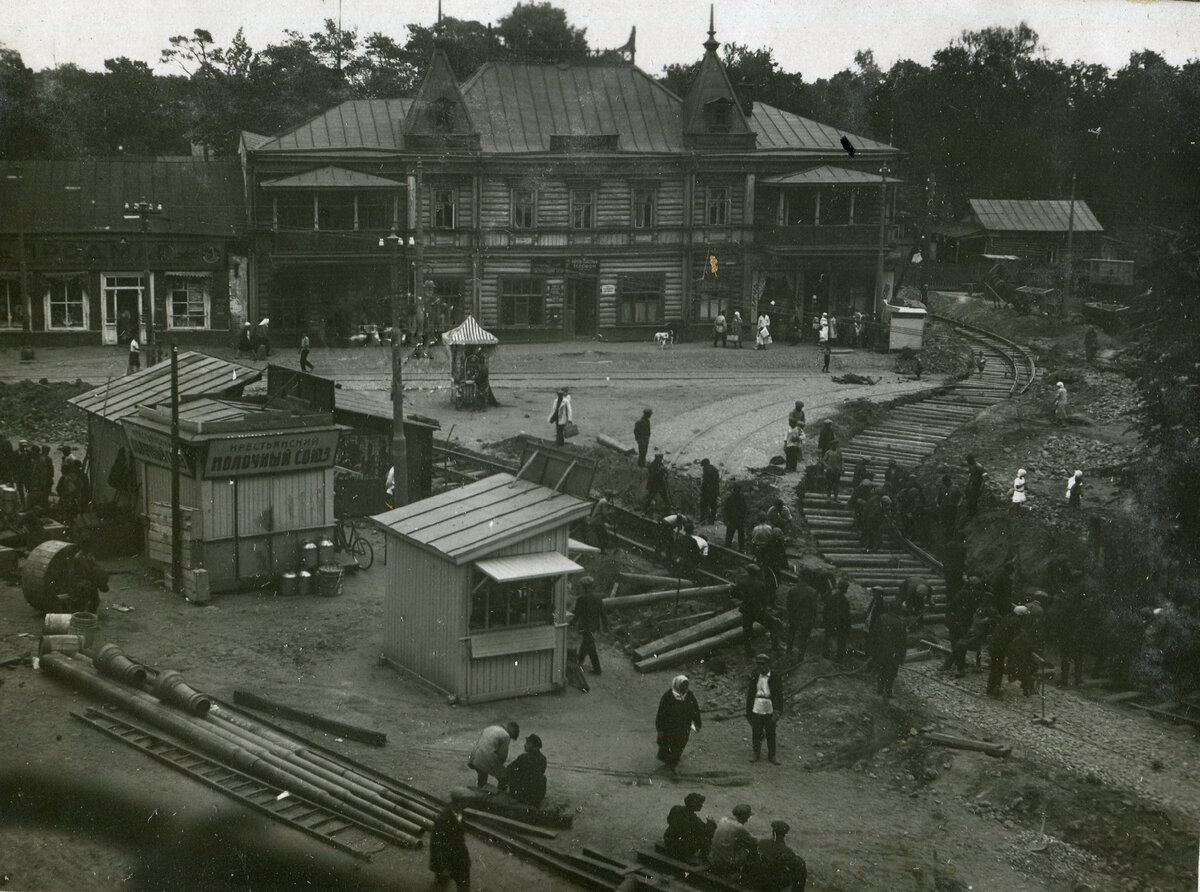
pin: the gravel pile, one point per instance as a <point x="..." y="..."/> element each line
<point x="1061" y="454"/>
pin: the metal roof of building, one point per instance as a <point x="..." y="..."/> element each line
<point x="373" y="404"/>
<point x="332" y="177"/>
<point x="1052" y="215"/>
<point x="781" y="130"/>
<point x="517" y="107"/>
<point x="200" y="197"/>
<point x="482" y="517"/>
<point x="199" y="374"/>
<point x="827" y="174"/>
<point x="355" y="124"/>
<point x="528" y="566"/>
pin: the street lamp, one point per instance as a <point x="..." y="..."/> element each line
<point x="399" y="444"/>
<point x="143" y="211"/>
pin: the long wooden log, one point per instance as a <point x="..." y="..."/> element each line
<point x="511" y="823"/>
<point x="649" y="579"/>
<point x="655" y="597"/>
<point x="688" y="651"/>
<point x="331" y="726"/>
<point x="614" y="444"/>
<point x="966" y="743"/>
<point x="706" y="629"/>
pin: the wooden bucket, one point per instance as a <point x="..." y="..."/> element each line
<point x="329" y="581"/>
<point x="46" y="573"/>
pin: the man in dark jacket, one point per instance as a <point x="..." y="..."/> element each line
<point x="764" y="700"/>
<point x="776" y="867"/>
<point x="87" y="580"/>
<point x="448" y="856"/>
<point x="735" y="512"/>
<point x="975" y="475"/>
<point x="835" y="614"/>
<point x="755" y="598"/>
<point x="23" y="471"/>
<point x="949" y="498"/>
<point x="687" y="837"/>
<point x="656" y="483"/>
<point x="710" y="491"/>
<point x="802" y="602"/>
<point x="826" y="438"/>
<point x="1007" y="631"/>
<point x="524" y="778"/>
<point x="589" y="619"/>
<point x="641" y="433"/>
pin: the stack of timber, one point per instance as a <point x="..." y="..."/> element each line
<point x="158" y="536"/>
<point x="691" y="643"/>
<point x="656" y="597"/>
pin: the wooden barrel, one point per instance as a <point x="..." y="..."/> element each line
<point x="46" y="573"/>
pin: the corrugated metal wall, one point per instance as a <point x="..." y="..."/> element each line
<point x="425" y="615"/>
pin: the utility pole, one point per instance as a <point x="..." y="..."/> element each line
<point x="1070" y="249"/>
<point x="176" y="510"/>
<point x="399" y="444"/>
<point x="419" y="257"/>
<point x="143" y="211"/>
<point x="882" y="241"/>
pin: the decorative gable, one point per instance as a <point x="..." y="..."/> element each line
<point x="438" y="118"/>
<point x="713" y="119"/>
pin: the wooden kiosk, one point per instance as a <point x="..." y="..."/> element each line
<point x="906" y="326"/>
<point x="255" y="484"/>
<point x="476" y="589"/>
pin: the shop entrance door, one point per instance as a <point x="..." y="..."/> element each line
<point x="581" y="297"/>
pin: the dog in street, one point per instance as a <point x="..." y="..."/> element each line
<point x="664" y="339"/>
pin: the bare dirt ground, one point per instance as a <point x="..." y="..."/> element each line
<point x="870" y="806"/>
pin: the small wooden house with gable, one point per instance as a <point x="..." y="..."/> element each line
<point x="476" y="589"/>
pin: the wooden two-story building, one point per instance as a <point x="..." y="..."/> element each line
<point x="560" y="200"/>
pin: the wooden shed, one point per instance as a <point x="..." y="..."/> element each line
<point x="476" y="589"/>
<point x="106" y="405"/>
<point x="906" y="326"/>
<point x="255" y="485"/>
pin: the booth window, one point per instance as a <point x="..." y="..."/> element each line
<point x="506" y="605"/>
<point x="718" y="205"/>
<point x="522" y="300"/>
<point x="12" y="311"/>
<point x="640" y="298"/>
<point x="188" y="300"/>
<point x="66" y="305"/>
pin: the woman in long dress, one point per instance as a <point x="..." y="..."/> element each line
<point x="763" y="337"/>
<point x="1018" y="495"/>
<point x="678" y="716"/>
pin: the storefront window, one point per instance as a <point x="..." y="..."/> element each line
<point x="66" y="305"/>
<point x="188" y="300"/>
<point x="525" y="602"/>
<point x="12" y="311"/>
<point x="522" y="300"/>
<point x="640" y="299"/>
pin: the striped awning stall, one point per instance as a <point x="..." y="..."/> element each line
<point x="527" y="566"/>
<point x="469" y="334"/>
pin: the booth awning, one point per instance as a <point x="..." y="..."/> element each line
<point x="469" y="334"/>
<point x="527" y="566"/>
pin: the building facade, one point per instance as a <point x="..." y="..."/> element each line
<point x="563" y="200"/>
<point x="90" y="251"/>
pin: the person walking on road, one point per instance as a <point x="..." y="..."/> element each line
<point x="710" y="491"/>
<point x="764" y="693"/>
<point x="560" y="415"/>
<point x="678" y="716"/>
<point x="719" y="329"/>
<point x="589" y="619"/>
<point x="448" y="856"/>
<point x="135" y="357"/>
<point x="656" y="483"/>
<point x="641" y="433"/>
<point x="305" y="365"/>
<point x="793" y="446"/>
<point x="826" y="354"/>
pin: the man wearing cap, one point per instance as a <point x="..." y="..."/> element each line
<point x="776" y="866"/>
<point x="687" y="837"/>
<point x="732" y="845"/>
<point x="561" y="415"/>
<point x="656" y="483"/>
<point x="641" y="433"/>
<point x="589" y="619"/>
<point x="525" y="777"/>
<point x="763" y="702"/>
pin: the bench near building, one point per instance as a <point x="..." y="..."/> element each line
<point x="476" y="589"/>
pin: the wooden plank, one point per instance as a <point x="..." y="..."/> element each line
<point x="705" y="629"/>
<point x="1123" y="696"/>
<point x="689" y="651"/>
<point x="966" y="743"/>
<point x="650" y="579"/>
<point x="512" y="824"/>
<point x="656" y="597"/>
<point x="512" y="641"/>
<point x="693" y="873"/>
<point x="331" y="726"/>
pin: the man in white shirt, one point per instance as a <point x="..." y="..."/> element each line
<point x="135" y="357"/>
<point x="763" y="703"/>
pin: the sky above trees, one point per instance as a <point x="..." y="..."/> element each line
<point x="816" y="38"/>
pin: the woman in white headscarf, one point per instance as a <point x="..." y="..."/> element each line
<point x="678" y="716"/>
<point x="1075" y="489"/>
<point x="1018" y="495"/>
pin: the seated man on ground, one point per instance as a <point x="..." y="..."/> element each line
<point x="687" y="837"/>
<point x="525" y="777"/>
<point x="732" y="847"/>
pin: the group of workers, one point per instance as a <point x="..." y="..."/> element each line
<point x="28" y="473"/>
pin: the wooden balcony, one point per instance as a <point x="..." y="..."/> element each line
<point x="857" y="237"/>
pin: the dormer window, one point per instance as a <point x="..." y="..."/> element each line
<point x="442" y="113"/>
<point x="718" y="114"/>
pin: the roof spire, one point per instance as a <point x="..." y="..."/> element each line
<point x="439" y="20"/>
<point x="712" y="43"/>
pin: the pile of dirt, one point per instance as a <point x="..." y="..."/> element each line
<point x="38" y="411"/>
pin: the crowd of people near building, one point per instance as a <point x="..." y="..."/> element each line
<point x="32" y="490"/>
